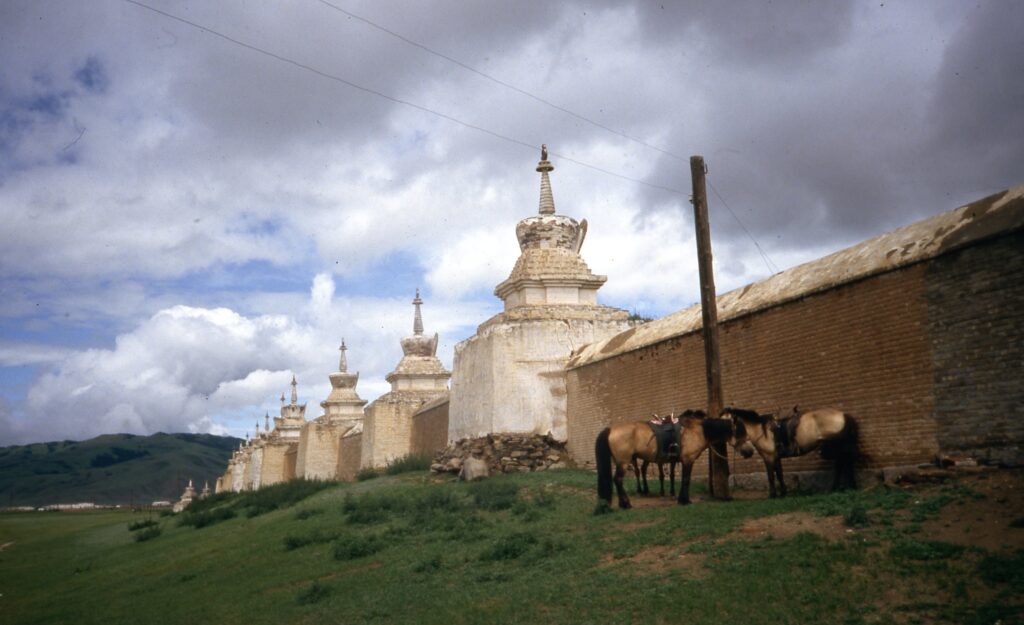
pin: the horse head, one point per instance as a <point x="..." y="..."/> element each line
<point x="740" y="439"/>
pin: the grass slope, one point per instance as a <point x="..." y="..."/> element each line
<point x="114" y="468"/>
<point x="514" y="549"/>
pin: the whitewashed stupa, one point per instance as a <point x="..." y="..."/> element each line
<point x="320" y="440"/>
<point x="510" y="376"/>
<point x="418" y="378"/>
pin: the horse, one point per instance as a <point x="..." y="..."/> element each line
<point x="829" y="430"/>
<point x="670" y="456"/>
<point x="624" y="442"/>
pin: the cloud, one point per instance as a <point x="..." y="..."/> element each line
<point x="213" y="369"/>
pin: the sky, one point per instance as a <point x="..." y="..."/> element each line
<point x="201" y="199"/>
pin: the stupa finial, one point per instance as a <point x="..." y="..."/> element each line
<point x="295" y="392"/>
<point x="417" y="322"/>
<point x="547" y="200"/>
<point x="266" y="422"/>
<point x="342" y="363"/>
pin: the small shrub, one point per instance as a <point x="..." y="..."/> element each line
<point x="312" y="594"/>
<point x="213" y="501"/>
<point x="139" y="525"/>
<point x="147" y="534"/>
<point x="366" y="474"/>
<point x="409" y="464"/>
<point x="924" y="550"/>
<point x="494" y="494"/>
<point x="509" y="547"/>
<point x="354" y="547"/>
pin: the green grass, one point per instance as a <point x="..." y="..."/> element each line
<point x="415" y="548"/>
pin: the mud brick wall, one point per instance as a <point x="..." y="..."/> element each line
<point x="928" y="358"/>
<point x="975" y="302"/>
<point x="430" y="428"/>
<point x="349" y="457"/>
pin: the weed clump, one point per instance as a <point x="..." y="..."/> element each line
<point x="509" y="547"/>
<point x="313" y="593"/>
<point x="140" y="525"/>
<point x="857" y="517"/>
<point x="296" y="541"/>
<point x="354" y="547"/>
<point x="494" y="494"/>
<point x="409" y="464"/>
<point x="367" y="474"/>
<point x="924" y="550"/>
<point x="1003" y="569"/>
<point x="200" y="520"/>
<point x="148" y="534"/>
<point x="306" y="513"/>
<point x="284" y="495"/>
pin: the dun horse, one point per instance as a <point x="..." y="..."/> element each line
<point x="623" y="443"/>
<point x="828" y="429"/>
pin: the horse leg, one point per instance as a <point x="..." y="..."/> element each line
<point x="636" y="474"/>
<point x="672" y="477"/>
<point x="684" y="483"/>
<point x="620" y="489"/>
<point x="643" y="472"/>
<point x="661" y="478"/>
<point x="770" y="470"/>
<point x="780" y="479"/>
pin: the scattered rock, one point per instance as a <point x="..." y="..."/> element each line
<point x="474" y="469"/>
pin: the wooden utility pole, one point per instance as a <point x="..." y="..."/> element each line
<point x="718" y="466"/>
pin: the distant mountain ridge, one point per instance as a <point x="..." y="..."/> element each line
<point x="111" y="469"/>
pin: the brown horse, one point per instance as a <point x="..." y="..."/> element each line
<point x="827" y="429"/>
<point x="620" y="444"/>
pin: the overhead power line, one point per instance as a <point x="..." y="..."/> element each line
<point x="533" y="96"/>
<point x="450" y="118"/>
<point x="390" y="98"/>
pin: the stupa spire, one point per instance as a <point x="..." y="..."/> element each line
<point x="342" y="363"/>
<point x="295" y="392"/>
<point x="417" y="322"/>
<point x="266" y="422"/>
<point x="547" y="200"/>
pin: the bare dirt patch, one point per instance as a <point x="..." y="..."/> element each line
<point x="790" y="524"/>
<point x="661" y="558"/>
<point x="983" y="517"/>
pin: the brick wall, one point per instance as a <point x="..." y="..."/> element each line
<point x="430" y="428"/>
<point x="349" y="456"/>
<point x="975" y="302"/>
<point x="900" y="351"/>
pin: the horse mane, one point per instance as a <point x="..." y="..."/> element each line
<point x="748" y="415"/>
<point x="717" y="429"/>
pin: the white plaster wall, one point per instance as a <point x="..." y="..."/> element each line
<point x="512" y="377"/>
<point x="238" y="476"/>
<point x="252" y="477"/>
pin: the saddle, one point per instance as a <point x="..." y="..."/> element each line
<point x="667" y="437"/>
<point x="784" y="431"/>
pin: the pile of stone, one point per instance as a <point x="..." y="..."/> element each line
<point x="504" y="453"/>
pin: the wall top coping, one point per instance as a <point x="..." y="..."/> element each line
<point x="997" y="214"/>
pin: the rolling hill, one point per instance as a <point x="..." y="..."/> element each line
<point x="111" y="469"/>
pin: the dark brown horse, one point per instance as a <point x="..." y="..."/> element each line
<point x="829" y="430"/>
<point x="620" y="444"/>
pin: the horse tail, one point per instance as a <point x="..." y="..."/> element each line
<point x="603" y="457"/>
<point x="851" y="440"/>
